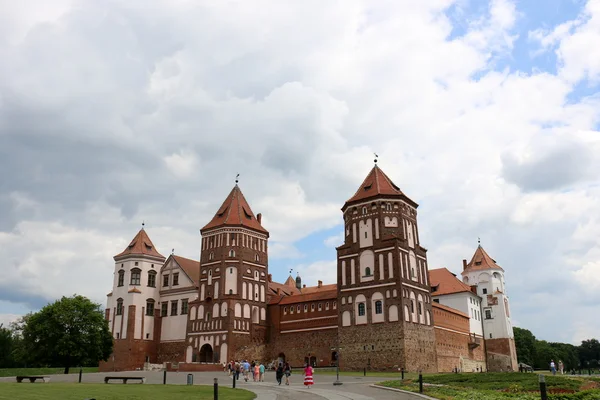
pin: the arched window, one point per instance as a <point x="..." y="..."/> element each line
<point x="151" y="278"/>
<point x="207" y="316"/>
<point x="291" y="309"/>
<point x="412" y="306"/>
<point x="378" y="307"/>
<point x="211" y="256"/>
<point x="119" y="306"/>
<point x="230" y="291"/>
<point x="361" y="309"/>
<point x="312" y="307"/>
<point x="388" y="207"/>
<point x="136" y="275"/>
<point x="298" y="308"/>
<point x="364" y="210"/>
<point x="150" y="307"/>
<point x="284" y="310"/>
<point x="306" y="308"/>
<point x="121" y="278"/>
<point x="334" y="305"/>
<point x="326" y="306"/>
<point x="367" y="271"/>
<point x="257" y="258"/>
<point x="320" y="307"/>
<point x="231" y="253"/>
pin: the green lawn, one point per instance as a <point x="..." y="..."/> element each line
<point x="42" y="371"/>
<point x="133" y="391"/>
<point x="499" y="386"/>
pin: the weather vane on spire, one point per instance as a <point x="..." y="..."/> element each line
<point x="376" y="157"/>
<point x="236" y="178"/>
<point x="479" y="241"/>
<point x="172" y="251"/>
<point x="143" y="224"/>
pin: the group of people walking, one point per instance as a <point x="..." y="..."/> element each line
<point x="257" y="371"/>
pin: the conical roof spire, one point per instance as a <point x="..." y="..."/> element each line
<point x="140" y="245"/>
<point x="481" y="261"/>
<point x="377" y="183"/>
<point x="235" y="211"/>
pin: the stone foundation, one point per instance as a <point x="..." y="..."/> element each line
<point x="501" y="355"/>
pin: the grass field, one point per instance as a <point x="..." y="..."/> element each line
<point x="500" y="386"/>
<point x="42" y="371"/>
<point x="133" y="391"/>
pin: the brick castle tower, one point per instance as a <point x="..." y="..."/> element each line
<point x="383" y="288"/>
<point x="228" y="319"/>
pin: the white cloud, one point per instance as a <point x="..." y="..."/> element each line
<point x="335" y="240"/>
<point x="6" y="319"/>
<point x="325" y="271"/>
<point x="182" y="164"/>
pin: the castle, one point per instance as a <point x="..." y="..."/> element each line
<point x="386" y="311"/>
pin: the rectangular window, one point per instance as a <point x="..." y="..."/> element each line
<point x="150" y="308"/>
<point x="135" y="276"/>
<point x="163" y="309"/>
<point x="361" y="309"/>
<point x="378" y="307"/>
<point x="120" y="307"/>
<point x="121" y="278"/>
<point x="488" y="314"/>
<point x="165" y="280"/>
<point x="175" y="279"/>
<point x="151" y="279"/>
<point x="484" y="291"/>
<point x="184" y="306"/>
<point x="174" y="307"/>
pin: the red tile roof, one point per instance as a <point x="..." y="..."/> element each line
<point x="312" y="296"/>
<point x="445" y="282"/>
<point x="235" y="211"/>
<point x="375" y="184"/>
<point x="481" y="261"/>
<point x="449" y="309"/>
<point x="140" y="245"/>
<point x="289" y="294"/>
<point x="190" y="267"/>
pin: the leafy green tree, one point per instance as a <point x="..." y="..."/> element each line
<point x="7" y="343"/>
<point x="589" y="353"/>
<point x="69" y="332"/>
<point x="567" y="353"/>
<point x="525" y="343"/>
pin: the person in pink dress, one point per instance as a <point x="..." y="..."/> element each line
<point x="256" y="372"/>
<point x="308" y="376"/>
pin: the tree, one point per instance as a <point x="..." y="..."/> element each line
<point x="69" y="332"/>
<point x="525" y="344"/>
<point x="7" y="343"/>
<point x="589" y="353"/>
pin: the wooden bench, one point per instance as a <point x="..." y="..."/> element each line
<point x="33" y="378"/>
<point x="125" y="378"/>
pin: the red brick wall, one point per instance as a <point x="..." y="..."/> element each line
<point x="298" y="345"/>
<point x="501" y="355"/>
<point x="452" y="343"/>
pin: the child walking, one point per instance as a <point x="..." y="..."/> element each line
<point x="308" y="376"/>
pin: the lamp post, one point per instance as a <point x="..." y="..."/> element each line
<point x="337" y="362"/>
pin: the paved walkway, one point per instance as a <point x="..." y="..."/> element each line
<point x="353" y="388"/>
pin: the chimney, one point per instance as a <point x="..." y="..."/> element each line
<point x="278" y="291"/>
<point x="259" y="217"/>
<point x="464" y="264"/>
<point x="320" y="283"/>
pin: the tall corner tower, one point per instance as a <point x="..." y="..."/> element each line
<point x="228" y="320"/>
<point x="130" y="308"/>
<point x="483" y="272"/>
<point x="383" y="289"/>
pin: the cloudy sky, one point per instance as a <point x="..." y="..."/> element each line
<point x="486" y="114"/>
